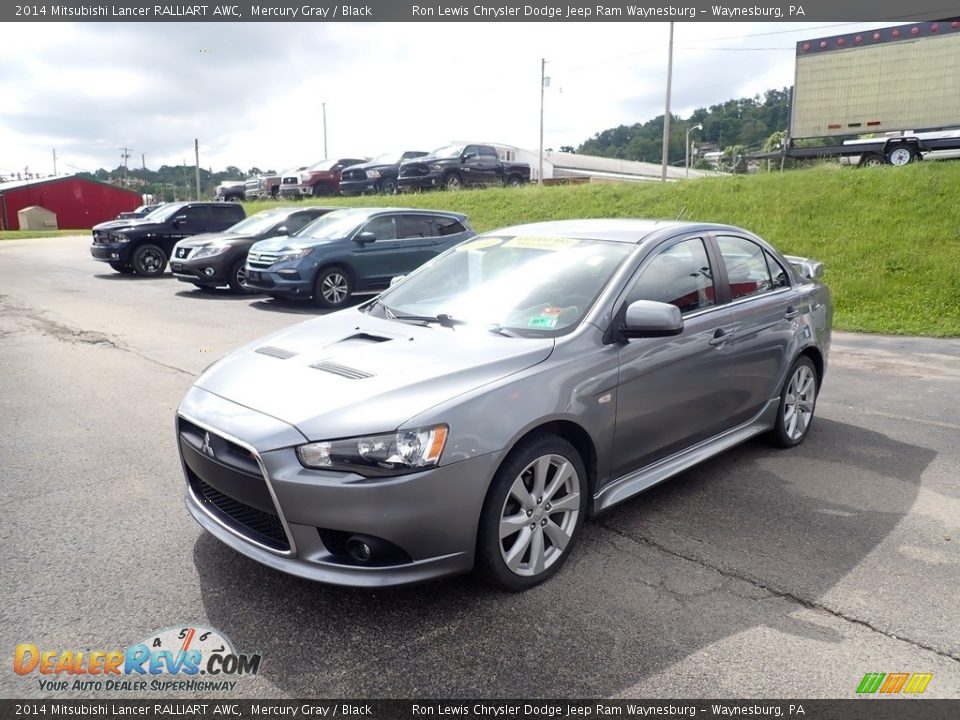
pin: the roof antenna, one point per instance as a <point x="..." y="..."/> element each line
<point x="682" y="211"/>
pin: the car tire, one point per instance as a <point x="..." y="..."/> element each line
<point x="515" y="560"/>
<point x="122" y="268"/>
<point x="513" y="181"/>
<point x="321" y="190"/>
<point x="149" y="261"/>
<point x="238" y="276"/>
<point x="332" y="288"/>
<point x="798" y="402"/>
<point x="901" y="155"/>
<point x="453" y="181"/>
<point x="388" y="187"/>
<point x="872" y="160"/>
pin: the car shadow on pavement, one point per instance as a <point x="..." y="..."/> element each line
<point x="298" y="307"/>
<point x="214" y="294"/>
<point x="741" y="542"/>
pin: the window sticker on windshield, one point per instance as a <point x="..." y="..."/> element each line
<point x="541" y="243"/>
<point x="479" y="244"/>
<point x="542" y="322"/>
<point x="550" y="311"/>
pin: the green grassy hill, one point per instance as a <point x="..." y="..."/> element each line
<point x="889" y="237"/>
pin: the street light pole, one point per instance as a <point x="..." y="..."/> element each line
<point x="324" y="131"/>
<point x="686" y="152"/>
<point x="543" y="84"/>
<point x="666" y="112"/>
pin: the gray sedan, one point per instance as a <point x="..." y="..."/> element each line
<point x="474" y="414"/>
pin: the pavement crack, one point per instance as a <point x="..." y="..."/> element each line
<point x="781" y="592"/>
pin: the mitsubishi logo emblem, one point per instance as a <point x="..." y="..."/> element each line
<point x="205" y="448"/>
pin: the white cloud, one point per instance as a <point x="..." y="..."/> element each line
<point x="254" y="93"/>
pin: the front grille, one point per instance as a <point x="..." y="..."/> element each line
<point x="291" y="181"/>
<point x="353" y="175"/>
<point x="414" y="170"/>
<point x="263" y="527"/>
<point x="261" y="260"/>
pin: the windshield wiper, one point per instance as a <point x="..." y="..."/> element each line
<point x="500" y="330"/>
<point x="441" y="319"/>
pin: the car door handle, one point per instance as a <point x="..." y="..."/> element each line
<point x="791" y="313"/>
<point x="720" y="336"/>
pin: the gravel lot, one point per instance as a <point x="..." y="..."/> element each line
<point x="761" y="574"/>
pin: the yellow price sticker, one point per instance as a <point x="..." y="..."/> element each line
<point x="541" y="243"/>
<point x="479" y="244"/>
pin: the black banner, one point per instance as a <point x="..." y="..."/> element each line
<point x="470" y="11"/>
<point x="854" y="709"/>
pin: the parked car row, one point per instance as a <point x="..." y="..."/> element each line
<point x="323" y="254"/>
<point x="450" y="167"/>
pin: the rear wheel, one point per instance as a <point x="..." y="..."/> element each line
<point x="872" y="160"/>
<point x="901" y="155"/>
<point x="798" y="400"/>
<point x="332" y="287"/>
<point x="149" y="261"/>
<point x="533" y="514"/>
<point x="122" y="268"/>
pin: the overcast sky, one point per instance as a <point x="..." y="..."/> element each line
<point x="253" y="92"/>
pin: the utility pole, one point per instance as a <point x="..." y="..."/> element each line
<point x="125" y="156"/>
<point x="143" y="160"/>
<point x="324" y="131"/>
<point x="196" y="152"/>
<point x="543" y="84"/>
<point x="666" y="112"/>
<point x="54" y="162"/>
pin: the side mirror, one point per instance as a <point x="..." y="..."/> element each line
<point x="395" y="279"/>
<point x="646" y="318"/>
<point x="179" y="220"/>
<point x="365" y="237"/>
<point x="282" y="230"/>
<point x="467" y="156"/>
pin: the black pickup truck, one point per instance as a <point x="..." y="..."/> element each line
<point x="456" y="166"/>
<point x="144" y="246"/>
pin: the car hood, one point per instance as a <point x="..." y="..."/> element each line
<point x="288" y="242"/>
<point x="372" y="166"/>
<point x="210" y="238"/>
<point x="374" y="374"/>
<point x="117" y="224"/>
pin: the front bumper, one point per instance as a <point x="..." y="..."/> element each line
<point x="114" y="252"/>
<point x="288" y="281"/>
<point x="357" y="187"/>
<point x="195" y="271"/>
<point x="419" y="182"/>
<point x="431" y="516"/>
<point x="289" y="191"/>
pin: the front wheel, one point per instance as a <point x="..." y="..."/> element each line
<point x="513" y="181"/>
<point x="237" y="279"/>
<point x="872" y="160"/>
<point x="532" y="515"/>
<point x="798" y="400"/>
<point x="453" y="182"/>
<point x="388" y="187"/>
<point x="149" y="261"/>
<point x="332" y="288"/>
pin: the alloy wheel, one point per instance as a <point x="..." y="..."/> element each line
<point x="799" y="402"/>
<point x="334" y="288"/>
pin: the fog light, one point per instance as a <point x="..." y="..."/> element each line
<point x="359" y="550"/>
<point x="208" y="272"/>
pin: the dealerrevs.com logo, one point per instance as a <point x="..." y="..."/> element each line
<point x="175" y="659"/>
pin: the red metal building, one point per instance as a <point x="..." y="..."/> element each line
<point x="78" y="202"/>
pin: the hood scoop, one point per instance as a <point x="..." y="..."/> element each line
<point x="341" y="370"/>
<point x="276" y="352"/>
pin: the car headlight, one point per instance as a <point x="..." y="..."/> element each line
<point x="378" y="455"/>
<point x="121" y="239"/>
<point x="208" y="251"/>
<point x="373" y="174"/>
<point x="293" y="254"/>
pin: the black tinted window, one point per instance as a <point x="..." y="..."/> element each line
<point x="471" y="150"/>
<point x="383" y="227"/>
<point x="778" y="276"/>
<point x="746" y="266"/>
<point x="488" y="153"/>
<point x="448" y="226"/>
<point x="414" y="226"/>
<point x="679" y="275"/>
<point x="226" y="214"/>
<point x="297" y="221"/>
<point x="193" y="215"/>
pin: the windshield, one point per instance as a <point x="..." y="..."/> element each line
<point x="529" y="285"/>
<point x="336" y="224"/>
<point x="390" y="158"/>
<point x="256" y="224"/>
<point x="448" y="151"/>
<point x="322" y="165"/>
<point x="165" y="212"/>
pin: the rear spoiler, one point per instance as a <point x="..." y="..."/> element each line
<point x="807" y="268"/>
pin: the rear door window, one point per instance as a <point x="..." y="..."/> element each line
<point x="415" y="226"/>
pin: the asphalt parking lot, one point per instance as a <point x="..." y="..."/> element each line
<point x="762" y="573"/>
